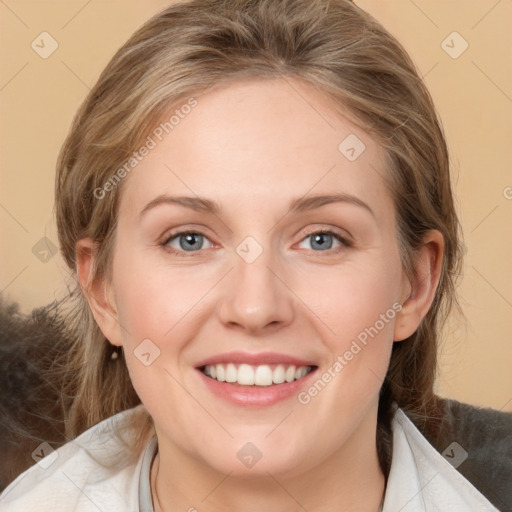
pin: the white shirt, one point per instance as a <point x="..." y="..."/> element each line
<point x="69" y="479"/>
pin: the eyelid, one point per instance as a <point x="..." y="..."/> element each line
<point x="347" y="237"/>
<point x="346" y="241"/>
<point x="172" y="233"/>
<point x="175" y="234"/>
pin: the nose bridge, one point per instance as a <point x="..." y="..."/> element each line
<point x="255" y="295"/>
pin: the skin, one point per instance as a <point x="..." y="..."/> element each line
<point x="253" y="146"/>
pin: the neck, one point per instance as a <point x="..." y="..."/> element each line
<point x="350" y="479"/>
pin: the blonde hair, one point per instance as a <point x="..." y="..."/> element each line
<point x="193" y="46"/>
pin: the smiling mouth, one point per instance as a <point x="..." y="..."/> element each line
<point x="256" y="375"/>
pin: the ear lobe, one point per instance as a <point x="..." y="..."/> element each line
<point x="428" y="266"/>
<point x="97" y="291"/>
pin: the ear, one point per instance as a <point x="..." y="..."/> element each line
<point x="427" y="272"/>
<point x="97" y="291"/>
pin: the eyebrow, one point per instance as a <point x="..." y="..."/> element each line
<point x="301" y="204"/>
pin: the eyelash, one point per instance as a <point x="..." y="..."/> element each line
<point x="345" y="243"/>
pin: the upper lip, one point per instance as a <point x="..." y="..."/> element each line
<point x="254" y="359"/>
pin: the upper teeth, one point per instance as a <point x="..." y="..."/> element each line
<point x="262" y="375"/>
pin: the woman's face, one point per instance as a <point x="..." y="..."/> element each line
<point x="273" y="282"/>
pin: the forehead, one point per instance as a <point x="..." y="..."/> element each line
<point x="254" y="143"/>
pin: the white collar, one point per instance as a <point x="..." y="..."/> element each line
<point x="422" y="480"/>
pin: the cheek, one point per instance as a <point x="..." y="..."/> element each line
<point x="158" y="310"/>
<point x="358" y="308"/>
<point x="354" y="298"/>
<point x="152" y="300"/>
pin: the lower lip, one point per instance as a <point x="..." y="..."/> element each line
<point x="256" y="395"/>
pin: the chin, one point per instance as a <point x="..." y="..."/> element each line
<point x="258" y="457"/>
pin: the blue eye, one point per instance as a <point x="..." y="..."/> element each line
<point x="190" y="243"/>
<point x="324" y="240"/>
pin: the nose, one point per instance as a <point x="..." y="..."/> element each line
<point x="255" y="297"/>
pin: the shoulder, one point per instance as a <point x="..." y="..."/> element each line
<point x="84" y="474"/>
<point x="422" y="479"/>
<point x="477" y="443"/>
<point x="485" y="435"/>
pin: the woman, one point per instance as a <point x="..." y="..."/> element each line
<point x="272" y="366"/>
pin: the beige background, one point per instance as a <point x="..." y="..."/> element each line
<point x="473" y="94"/>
